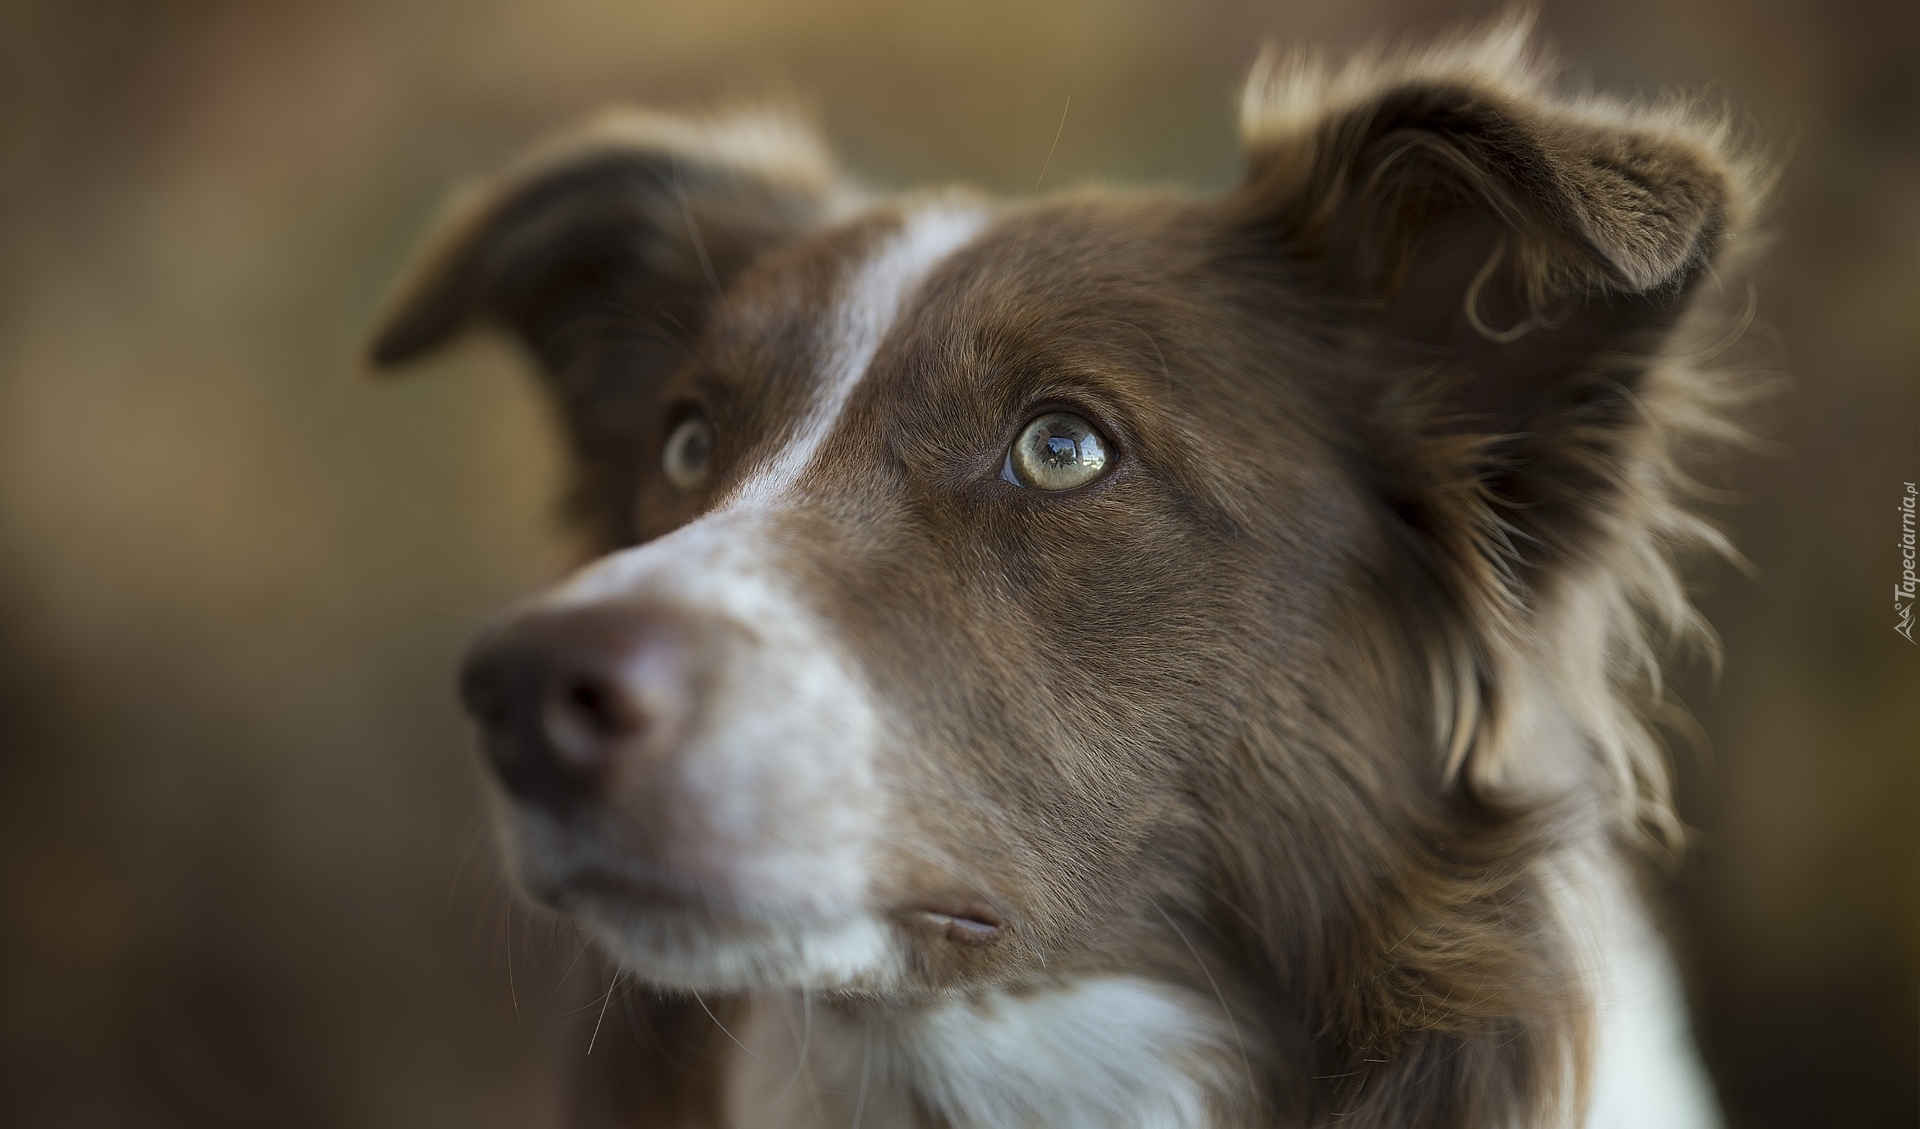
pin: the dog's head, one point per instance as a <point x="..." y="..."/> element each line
<point x="990" y="587"/>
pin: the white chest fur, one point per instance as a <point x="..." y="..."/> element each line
<point x="1097" y="1053"/>
<point x="1121" y="1052"/>
<point x="1645" y="1073"/>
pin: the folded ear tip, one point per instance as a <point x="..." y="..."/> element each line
<point x="385" y="350"/>
<point x="1656" y="215"/>
<point x="404" y="338"/>
<point x="382" y="357"/>
<point x="1633" y="197"/>
<point x="431" y="302"/>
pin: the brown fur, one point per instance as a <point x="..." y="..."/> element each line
<point x="1395" y="424"/>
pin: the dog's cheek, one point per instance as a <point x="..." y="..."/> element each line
<point x="1035" y="682"/>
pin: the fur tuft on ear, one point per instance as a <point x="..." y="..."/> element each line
<point x="602" y="254"/>
<point x="1628" y="197"/>
<point x="1524" y="270"/>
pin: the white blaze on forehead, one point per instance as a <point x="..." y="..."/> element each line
<point x="874" y="297"/>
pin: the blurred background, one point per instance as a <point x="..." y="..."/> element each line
<point x="245" y="876"/>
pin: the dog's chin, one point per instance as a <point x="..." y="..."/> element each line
<point x="683" y="943"/>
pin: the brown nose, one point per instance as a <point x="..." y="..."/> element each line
<point x="563" y="696"/>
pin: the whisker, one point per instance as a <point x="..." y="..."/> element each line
<point x="866" y="1059"/>
<point x="1246" y="1063"/>
<point x="513" y="991"/>
<point x="806" y="1049"/>
<point x="603" y="1011"/>
<point x="1056" y="144"/>
<point x="806" y="1039"/>
<point x="693" y="229"/>
<point x="577" y="954"/>
<point x="723" y="1030"/>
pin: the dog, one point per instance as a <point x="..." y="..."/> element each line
<point x="1122" y="660"/>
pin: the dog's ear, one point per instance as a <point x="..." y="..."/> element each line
<point x="603" y="254"/>
<point x="1514" y="267"/>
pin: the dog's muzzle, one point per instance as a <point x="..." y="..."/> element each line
<point x="690" y="764"/>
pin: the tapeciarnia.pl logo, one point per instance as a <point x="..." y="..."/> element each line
<point x="1903" y="592"/>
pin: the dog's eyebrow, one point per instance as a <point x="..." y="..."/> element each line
<point x="878" y="291"/>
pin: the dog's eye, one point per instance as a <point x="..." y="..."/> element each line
<point x="689" y="453"/>
<point x="1057" y="451"/>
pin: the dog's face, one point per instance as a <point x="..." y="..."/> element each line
<point x="950" y="593"/>
<point x="990" y="587"/>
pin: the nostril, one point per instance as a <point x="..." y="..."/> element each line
<point x="561" y="697"/>
<point x="584" y="715"/>
<point x="599" y="707"/>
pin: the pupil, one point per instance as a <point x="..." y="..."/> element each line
<point x="1061" y="452"/>
<point x="695" y="448"/>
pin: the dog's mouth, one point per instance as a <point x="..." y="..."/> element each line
<point x="584" y="885"/>
<point x="646" y="897"/>
<point x="966" y="923"/>
<point x="738" y="928"/>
